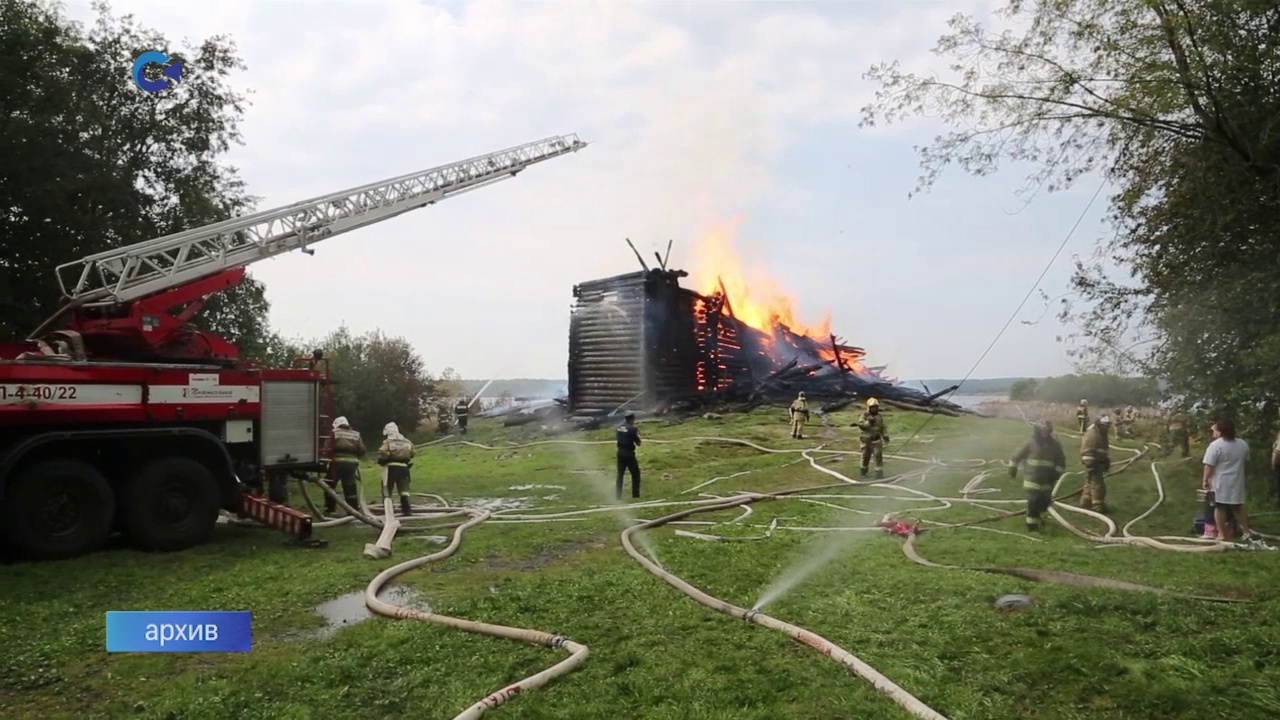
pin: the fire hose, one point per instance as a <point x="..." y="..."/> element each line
<point x="578" y="652"/>
<point x="813" y="640"/>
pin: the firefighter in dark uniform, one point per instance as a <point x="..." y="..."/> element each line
<point x="461" y="412"/>
<point x="1044" y="460"/>
<point x="628" y="436"/>
<point x="396" y="456"/>
<point x="348" y="448"/>
<point x="874" y="437"/>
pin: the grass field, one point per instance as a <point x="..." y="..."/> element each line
<point x="655" y="653"/>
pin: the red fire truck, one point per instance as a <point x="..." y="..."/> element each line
<point x="119" y="415"/>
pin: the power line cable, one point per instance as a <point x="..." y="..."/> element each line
<point x="1084" y="213"/>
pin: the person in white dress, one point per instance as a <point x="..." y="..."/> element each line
<point x="1224" y="475"/>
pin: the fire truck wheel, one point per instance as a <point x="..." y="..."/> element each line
<point x="171" y="504"/>
<point x="58" y="509"/>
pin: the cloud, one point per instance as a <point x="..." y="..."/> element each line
<point x="689" y="109"/>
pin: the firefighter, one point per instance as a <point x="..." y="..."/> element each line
<point x="1082" y="415"/>
<point x="396" y="457"/>
<point x="348" y="448"/>
<point x="1095" y="455"/>
<point x="874" y="437"/>
<point x="799" y="416"/>
<point x="628" y="440"/>
<point x="461" y="413"/>
<point x="1130" y="417"/>
<point x="1045" y="462"/>
<point x="1176" y="433"/>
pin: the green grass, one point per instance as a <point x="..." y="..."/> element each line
<point x="655" y="653"/>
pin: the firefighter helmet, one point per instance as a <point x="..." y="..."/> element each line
<point x="872" y="402"/>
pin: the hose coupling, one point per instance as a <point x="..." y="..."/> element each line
<point x="750" y="615"/>
<point x="557" y="642"/>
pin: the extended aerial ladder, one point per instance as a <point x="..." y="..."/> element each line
<point x="127" y="317"/>
<point x="136" y="302"/>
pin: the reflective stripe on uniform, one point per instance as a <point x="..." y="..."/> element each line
<point x="397" y="464"/>
<point x="346" y="459"/>
<point x="1033" y="485"/>
<point x="1031" y="462"/>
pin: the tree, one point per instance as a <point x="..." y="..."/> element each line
<point x="450" y="384"/>
<point x="1102" y="391"/>
<point x="1174" y="102"/>
<point x="89" y="162"/>
<point x="1024" y="389"/>
<point x="377" y="379"/>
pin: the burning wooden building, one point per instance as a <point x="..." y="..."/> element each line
<point x="640" y="341"/>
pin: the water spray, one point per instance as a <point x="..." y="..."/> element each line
<point x="819" y="643"/>
<point x="578" y="652"/>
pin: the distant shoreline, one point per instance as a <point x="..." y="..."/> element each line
<point x="547" y="388"/>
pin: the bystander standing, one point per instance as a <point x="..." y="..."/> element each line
<point x="1225" y="461"/>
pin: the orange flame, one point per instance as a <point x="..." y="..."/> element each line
<point x="754" y="296"/>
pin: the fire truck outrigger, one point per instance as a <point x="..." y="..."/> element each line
<point x="131" y="419"/>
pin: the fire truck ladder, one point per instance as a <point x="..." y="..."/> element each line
<point x="183" y="268"/>
<point x="137" y="271"/>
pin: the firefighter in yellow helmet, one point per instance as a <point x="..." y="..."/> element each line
<point x="799" y="415"/>
<point x="396" y="456"/>
<point x="874" y="437"/>
<point x="1082" y="415"/>
<point x="1044" y="461"/>
<point x="1095" y="455"/>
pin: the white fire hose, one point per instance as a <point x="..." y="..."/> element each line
<point x="578" y="653"/>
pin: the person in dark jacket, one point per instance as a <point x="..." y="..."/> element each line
<point x="461" y="413"/>
<point x="628" y="440"/>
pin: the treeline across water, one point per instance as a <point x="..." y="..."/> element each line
<point x="1100" y="390"/>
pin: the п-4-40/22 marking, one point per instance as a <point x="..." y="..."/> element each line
<point x="38" y="393"/>
<point x="108" y="394"/>
<point x="70" y="394"/>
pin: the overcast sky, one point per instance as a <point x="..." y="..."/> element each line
<point x="701" y="117"/>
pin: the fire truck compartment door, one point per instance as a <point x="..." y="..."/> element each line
<point x="237" y="431"/>
<point x="290" y="423"/>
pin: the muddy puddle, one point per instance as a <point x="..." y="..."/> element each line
<point x="349" y="609"/>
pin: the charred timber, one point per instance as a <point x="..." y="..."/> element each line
<point x="642" y="342"/>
